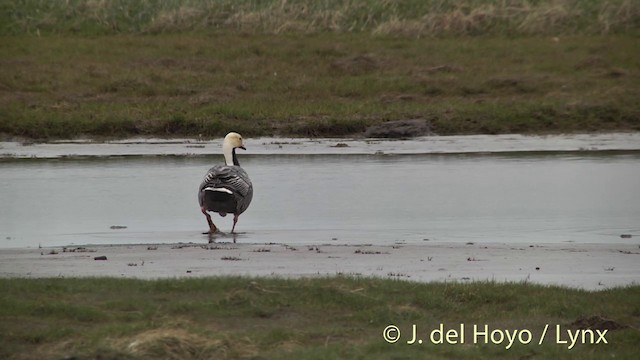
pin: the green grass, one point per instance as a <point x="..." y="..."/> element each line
<point x="314" y="85"/>
<point x="231" y="317"/>
<point x="171" y="68"/>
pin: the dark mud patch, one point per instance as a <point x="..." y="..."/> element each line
<point x="592" y="62"/>
<point x="512" y="84"/>
<point x="444" y="69"/>
<point x="356" y="65"/>
<point x="400" y="129"/>
<point x="597" y="323"/>
<point x="368" y="252"/>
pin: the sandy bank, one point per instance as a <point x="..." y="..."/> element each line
<point x="461" y="144"/>
<point x="588" y="266"/>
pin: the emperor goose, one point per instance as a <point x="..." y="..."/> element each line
<point x="226" y="189"/>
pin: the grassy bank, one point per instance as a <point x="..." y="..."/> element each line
<point x="314" y="85"/>
<point x="306" y="318"/>
<point x="316" y="68"/>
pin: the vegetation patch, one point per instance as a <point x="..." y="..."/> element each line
<point x="171" y="68"/>
<point x="405" y="18"/>
<point x="335" y="317"/>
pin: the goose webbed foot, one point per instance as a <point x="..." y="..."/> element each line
<point x="219" y="234"/>
<point x="212" y="227"/>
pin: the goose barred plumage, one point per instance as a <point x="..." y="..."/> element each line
<point x="226" y="189"/>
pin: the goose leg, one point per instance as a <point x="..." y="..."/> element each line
<point x="235" y="220"/>
<point x="212" y="226"/>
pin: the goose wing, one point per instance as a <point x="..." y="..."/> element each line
<point x="227" y="180"/>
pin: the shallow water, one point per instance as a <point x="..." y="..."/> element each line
<point x="585" y="197"/>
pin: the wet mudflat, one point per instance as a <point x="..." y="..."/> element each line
<point x="343" y="198"/>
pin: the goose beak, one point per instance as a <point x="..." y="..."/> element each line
<point x="242" y="147"/>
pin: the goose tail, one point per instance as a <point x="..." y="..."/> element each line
<point x="220" y="200"/>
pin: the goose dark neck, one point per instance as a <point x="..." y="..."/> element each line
<point x="235" y="157"/>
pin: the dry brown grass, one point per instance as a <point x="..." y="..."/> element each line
<point x="513" y="17"/>
<point x="406" y="18"/>
<point x="178" y="344"/>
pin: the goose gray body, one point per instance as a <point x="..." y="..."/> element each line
<point x="239" y="190"/>
<point x="226" y="189"/>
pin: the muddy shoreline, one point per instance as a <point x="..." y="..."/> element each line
<point x="586" y="266"/>
<point x="462" y="144"/>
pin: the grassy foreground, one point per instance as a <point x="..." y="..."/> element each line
<point x="316" y="68"/>
<point x="231" y="317"/>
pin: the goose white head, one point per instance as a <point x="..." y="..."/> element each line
<point x="231" y="142"/>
